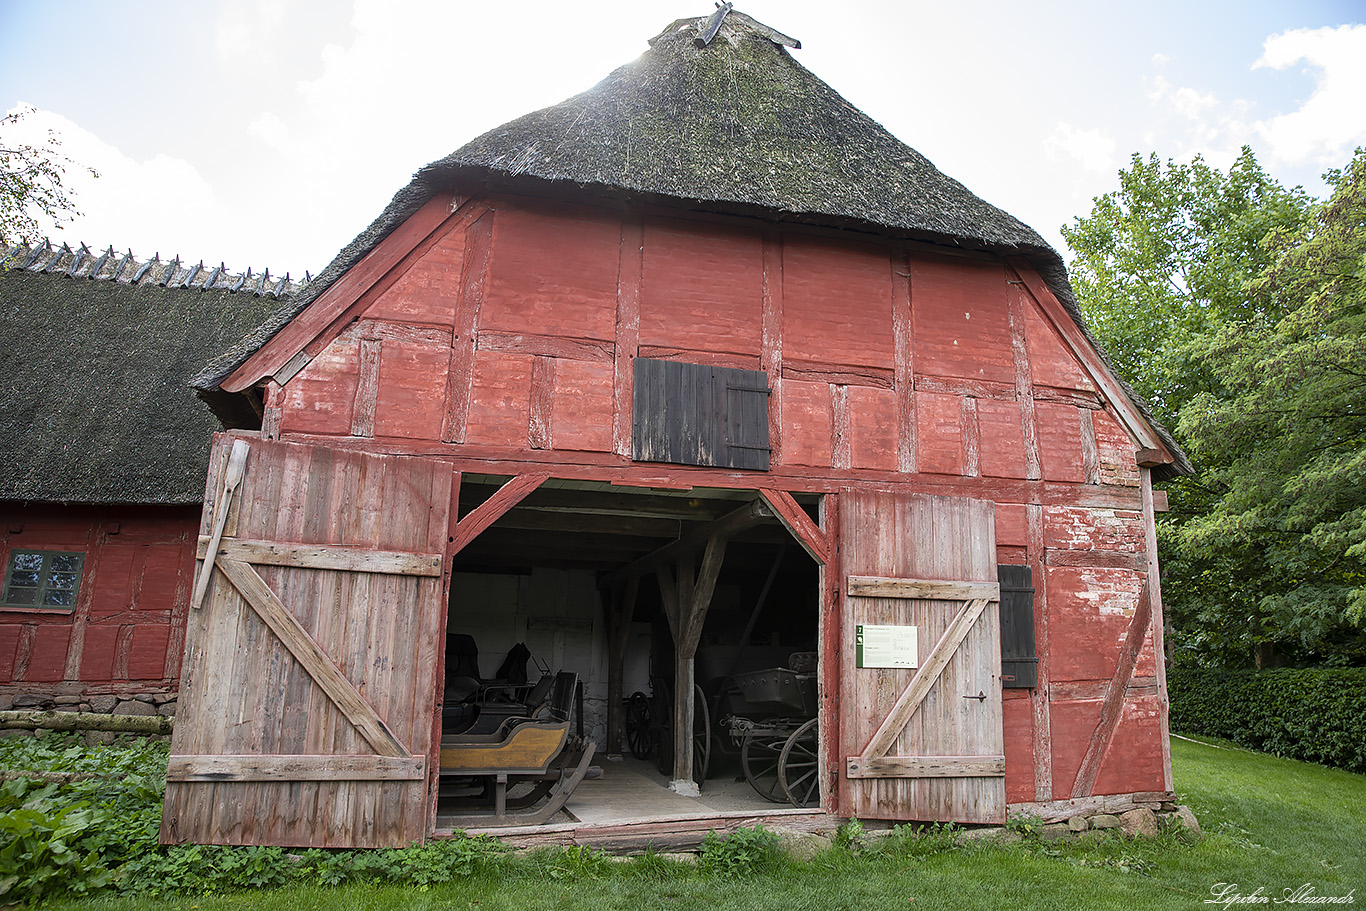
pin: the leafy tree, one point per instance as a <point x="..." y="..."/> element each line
<point x="31" y="183"/>
<point x="1284" y="439"/>
<point x="1182" y="273"/>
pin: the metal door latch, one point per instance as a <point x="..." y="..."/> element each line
<point x="980" y="697"/>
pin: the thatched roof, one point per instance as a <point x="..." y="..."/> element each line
<point x="735" y="126"/>
<point x="96" y="352"/>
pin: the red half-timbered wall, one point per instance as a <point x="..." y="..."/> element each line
<point x="507" y="326"/>
<point x="126" y="631"/>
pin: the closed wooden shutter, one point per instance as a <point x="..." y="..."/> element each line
<point x="922" y="743"/>
<point x="696" y="414"/>
<point x="1019" y="657"/>
<point x="308" y="695"/>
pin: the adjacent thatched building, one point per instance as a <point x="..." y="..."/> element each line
<point x="105" y="449"/>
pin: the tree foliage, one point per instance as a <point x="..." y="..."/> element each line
<point x="1285" y="438"/>
<point x="1233" y="305"/>
<point x="31" y="183"/>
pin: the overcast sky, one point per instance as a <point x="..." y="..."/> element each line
<point x="271" y="132"/>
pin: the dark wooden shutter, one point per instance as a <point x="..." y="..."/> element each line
<point x="1019" y="659"/>
<point x="695" y="414"/>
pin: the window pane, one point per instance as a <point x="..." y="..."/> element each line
<point x="21" y="577"/>
<point x="59" y="597"/>
<point x="20" y="596"/>
<point x="61" y="580"/>
<point x="28" y="561"/>
<point x="67" y="563"/>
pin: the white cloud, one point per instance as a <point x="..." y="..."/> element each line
<point x="1095" y="150"/>
<point x="1187" y="102"/>
<point x="1330" y="123"/>
<point x="154" y="205"/>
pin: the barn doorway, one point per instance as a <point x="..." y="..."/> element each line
<point x="578" y="579"/>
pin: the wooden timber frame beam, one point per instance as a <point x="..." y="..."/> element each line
<point x="732" y="523"/>
<point x="621" y="606"/>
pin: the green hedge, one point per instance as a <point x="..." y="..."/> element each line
<point x="1314" y="714"/>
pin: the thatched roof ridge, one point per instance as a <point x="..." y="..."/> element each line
<point x="737" y="127"/>
<point x="97" y="350"/>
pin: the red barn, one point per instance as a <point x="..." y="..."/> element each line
<point x="698" y="369"/>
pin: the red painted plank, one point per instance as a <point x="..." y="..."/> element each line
<point x="97" y="656"/>
<point x="698" y="275"/>
<point x="473" y="283"/>
<point x="807" y="419"/>
<point x="939" y="433"/>
<point x="10" y="633"/>
<point x="47" y="660"/>
<point x="962" y="326"/>
<point x="410" y="393"/>
<point x="1059" y="430"/>
<point x="873" y="417"/>
<point x="1019" y="745"/>
<point x="147" y="654"/>
<point x="542" y="392"/>
<point x="583" y="406"/>
<point x="837" y="303"/>
<point x="321" y="398"/>
<point x="553" y="271"/>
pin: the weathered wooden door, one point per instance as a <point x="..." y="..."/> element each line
<point x="926" y="741"/>
<point x="308" y="695"/>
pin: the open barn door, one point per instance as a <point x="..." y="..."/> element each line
<point x="920" y="694"/>
<point x="307" y="700"/>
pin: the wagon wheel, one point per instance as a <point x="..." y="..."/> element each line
<point x="639" y="737"/>
<point x="759" y="758"/>
<point x="701" y="733"/>
<point x="701" y="736"/>
<point x="797" y="767"/>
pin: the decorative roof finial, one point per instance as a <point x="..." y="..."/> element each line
<point x="714" y="23"/>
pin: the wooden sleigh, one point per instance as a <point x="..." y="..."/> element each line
<point x="520" y="773"/>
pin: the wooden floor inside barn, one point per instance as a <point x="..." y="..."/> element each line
<point x="630" y="806"/>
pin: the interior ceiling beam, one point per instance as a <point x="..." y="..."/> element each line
<point x="732" y="523"/>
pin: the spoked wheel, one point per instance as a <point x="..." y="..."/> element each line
<point x="663" y="706"/>
<point x="797" y="767"/>
<point x="701" y="736"/>
<point x="759" y="758"/>
<point x="640" y="738"/>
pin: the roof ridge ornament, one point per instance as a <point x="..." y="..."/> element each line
<point x="714" y="23"/>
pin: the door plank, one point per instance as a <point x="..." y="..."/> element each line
<point x="926" y="589"/>
<point x="319" y="666"/>
<point x="925" y="677"/>
<point x="294" y="768"/>
<point x="321" y="556"/>
<point x="926" y="767"/>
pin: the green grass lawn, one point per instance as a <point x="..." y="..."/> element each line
<point x="1269" y="823"/>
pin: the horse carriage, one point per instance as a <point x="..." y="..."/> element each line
<point x="765" y="718"/>
<point x="512" y="751"/>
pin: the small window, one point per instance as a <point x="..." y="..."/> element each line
<point x="1019" y="658"/>
<point x="43" y="578"/>
<point x="695" y="414"/>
